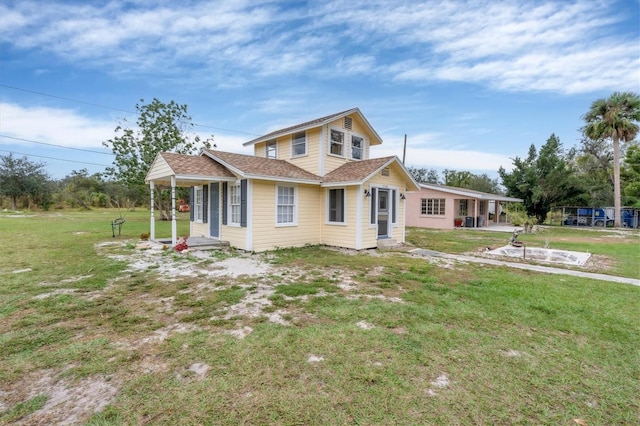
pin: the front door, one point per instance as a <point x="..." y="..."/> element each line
<point x="214" y="210"/>
<point x="383" y="213"/>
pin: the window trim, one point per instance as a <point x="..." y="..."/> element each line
<point x="442" y="206"/>
<point x="294" y="221"/>
<point x="198" y="204"/>
<point x="294" y="144"/>
<point x="362" y="144"/>
<point x="273" y="144"/>
<point x="233" y="188"/>
<point x="328" y="220"/>
<point x="341" y="144"/>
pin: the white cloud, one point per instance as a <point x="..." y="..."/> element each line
<point x="566" y="47"/>
<point x="453" y="159"/>
<point x="54" y="126"/>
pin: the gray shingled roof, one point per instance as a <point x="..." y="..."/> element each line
<point x="220" y="164"/>
<point x="191" y="165"/>
<point x="312" y="124"/>
<point x="356" y="171"/>
<point x="252" y="166"/>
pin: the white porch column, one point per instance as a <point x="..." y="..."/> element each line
<point x="152" y="225"/>
<point x="174" y="224"/>
<point x="475" y="211"/>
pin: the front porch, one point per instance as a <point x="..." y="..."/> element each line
<point x="197" y="243"/>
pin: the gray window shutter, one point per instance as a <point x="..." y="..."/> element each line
<point x="393" y="206"/>
<point x="192" y="194"/>
<point x="224" y="202"/>
<point x="205" y="203"/>
<point x="243" y="203"/>
<point x="373" y="206"/>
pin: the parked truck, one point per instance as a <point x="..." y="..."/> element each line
<point x="599" y="216"/>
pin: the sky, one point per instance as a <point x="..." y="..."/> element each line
<point x="472" y="84"/>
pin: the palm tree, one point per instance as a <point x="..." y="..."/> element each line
<point x="614" y="118"/>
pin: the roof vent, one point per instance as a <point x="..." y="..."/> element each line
<point x="347" y="123"/>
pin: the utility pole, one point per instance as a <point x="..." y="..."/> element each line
<point x="404" y="151"/>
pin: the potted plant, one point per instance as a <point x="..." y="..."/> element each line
<point x="457" y="222"/>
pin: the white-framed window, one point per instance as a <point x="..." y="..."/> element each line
<point x="299" y="144"/>
<point x="198" y="204"/>
<point x="432" y="206"/>
<point x="234" y="204"/>
<point x="357" y="146"/>
<point x="336" y="205"/>
<point x="285" y="205"/>
<point x="271" y="149"/>
<point x="336" y="143"/>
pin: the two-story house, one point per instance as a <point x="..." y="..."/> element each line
<point x="312" y="183"/>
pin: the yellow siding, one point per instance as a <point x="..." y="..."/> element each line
<point x="199" y="229"/>
<point x="266" y="235"/>
<point x="235" y="236"/>
<point x="259" y="149"/>
<point x="337" y="234"/>
<point x="160" y="169"/>
<point x="309" y="162"/>
<point x="396" y="181"/>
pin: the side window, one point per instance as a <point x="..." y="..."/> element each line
<point x="336" y="144"/>
<point x="336" y="205"/>
<point x="286" y="205"/>
<point x="357" y="145"/>
<point x="271" y="149"/>
<point x="234" y="204"/>
<point x="198" y="203"/>
<point x="299" y="144"/>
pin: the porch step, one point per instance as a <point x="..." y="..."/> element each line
<point x="385" y="243"/>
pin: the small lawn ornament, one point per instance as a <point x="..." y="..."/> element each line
<point x="514" y="239"/>
<point x="181" y="245"/>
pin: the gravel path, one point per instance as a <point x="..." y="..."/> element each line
<point x="537" y="268"/>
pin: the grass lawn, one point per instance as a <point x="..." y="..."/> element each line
<point x="93" y="330"/>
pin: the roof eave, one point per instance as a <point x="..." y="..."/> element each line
<point x="295" y="129"/>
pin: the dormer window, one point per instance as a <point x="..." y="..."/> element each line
<point x="271" y="149"/>
<point x="337" y="143"/>
<point x="357" y="144"/>
<point x="299" y="144"/>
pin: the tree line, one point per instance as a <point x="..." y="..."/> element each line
<point x="603" y="171"/>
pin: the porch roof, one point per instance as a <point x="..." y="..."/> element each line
<point x="186" y="168"/>
<point x="470" y="193"/>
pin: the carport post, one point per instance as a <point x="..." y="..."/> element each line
<point x="152" y="225"/>
<point x="174" y="224"/>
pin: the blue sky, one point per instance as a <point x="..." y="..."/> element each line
<point x="472" y="84"/>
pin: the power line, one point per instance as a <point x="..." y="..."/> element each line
<point x="64" y="99"/>
<point x="54" y="158"/>
<point x="114" y="109"/>
<point x="58" y="146"/>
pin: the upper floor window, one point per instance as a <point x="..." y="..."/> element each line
<point x="299" y="144"/>
<point x="286" y="205"/>
<point x="234" y="204"/>
<point x="337" y="143"/>
<point x="357" y="144"/>
<point x="271" y="149"/>
<point x="433" y="206"/>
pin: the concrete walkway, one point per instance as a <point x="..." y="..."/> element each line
<point x="526" y="266"/>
